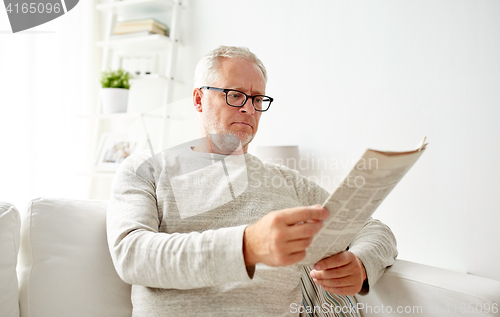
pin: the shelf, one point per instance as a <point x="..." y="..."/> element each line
<point x="140" y="77"/>
<point x="153" y="41"/>
<point x="150" y="76"/>
<point x="135" y="7"/>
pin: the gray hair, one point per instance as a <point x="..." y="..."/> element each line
<point x="206" y="72"/>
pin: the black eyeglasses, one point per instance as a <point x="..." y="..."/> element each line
<point x="236" y="98"/>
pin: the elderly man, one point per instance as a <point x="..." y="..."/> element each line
<point x="188" y="252"/>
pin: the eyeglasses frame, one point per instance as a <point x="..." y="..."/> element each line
<point x="226" y="90"/>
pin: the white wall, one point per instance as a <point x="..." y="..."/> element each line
<point x="47" y="78"/>
<point x="348" y="75"/>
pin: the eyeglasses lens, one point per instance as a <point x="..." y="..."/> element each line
<point x="237" y="99"/>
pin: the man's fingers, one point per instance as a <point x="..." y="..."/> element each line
<point x="342" y="273"/>
<point x="337" y="282"/>
<point x="303" y="214"/>
<point x="341" y="286"/>
<point x="281" y="237"/>
<point x="337" y="260"/>
<point x="338" y="272"/>
<point x="305" y="230"/>
<point x="297" y="245"/>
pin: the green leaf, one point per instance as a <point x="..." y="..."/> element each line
<point x="115" y="79"/>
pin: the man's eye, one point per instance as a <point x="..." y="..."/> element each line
<point x="258" y="99"/>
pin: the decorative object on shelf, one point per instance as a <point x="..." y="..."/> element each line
<point x="113" y="149"/>
<point x="138" y="27"/>
<point x="139" y="64"/>
<point x="115" y="85"/>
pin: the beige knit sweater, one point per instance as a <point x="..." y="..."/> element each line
<point x="175" y="230"/>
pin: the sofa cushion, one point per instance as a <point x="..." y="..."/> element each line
<point x="65" y="267"/>
<point x="10" y="224"/>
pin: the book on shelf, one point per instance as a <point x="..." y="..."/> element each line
<point x="150" y="24"/>
<point x="123" y="29"/>
<point x="144" y="22"/>
<point x="130" y="35"/>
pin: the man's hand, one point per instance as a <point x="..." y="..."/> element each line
<point x="341" y="274"/>
<point x="281" y="237"/>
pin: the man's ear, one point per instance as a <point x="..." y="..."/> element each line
<point x="197" y="96"/>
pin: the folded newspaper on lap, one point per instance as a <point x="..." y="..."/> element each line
<point x="351" y="205"/>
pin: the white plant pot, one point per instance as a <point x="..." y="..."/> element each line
<point x="114" y="100"/>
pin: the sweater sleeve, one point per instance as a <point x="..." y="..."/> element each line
<point x="375" y="245"/>
<point x="144" y="256"/>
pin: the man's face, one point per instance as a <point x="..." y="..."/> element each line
<point x="217" y="117"/>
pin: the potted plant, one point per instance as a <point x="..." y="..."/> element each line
<point x="114" y="92"/>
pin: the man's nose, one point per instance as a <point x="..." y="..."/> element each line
<point x="247" y="107"/>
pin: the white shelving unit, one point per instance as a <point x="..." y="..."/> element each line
<point x="160" y="49"/>
<point x="153" y="41"/>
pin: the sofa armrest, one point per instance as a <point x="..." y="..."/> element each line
<point x="10" y="224"/>
<point x="429" y="291"/>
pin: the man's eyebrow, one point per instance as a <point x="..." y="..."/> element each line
<point x="241" y="89"/>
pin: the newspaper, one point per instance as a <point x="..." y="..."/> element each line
<point x="352" y="204"/>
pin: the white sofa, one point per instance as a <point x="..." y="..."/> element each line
<point x="64" y="269"/>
